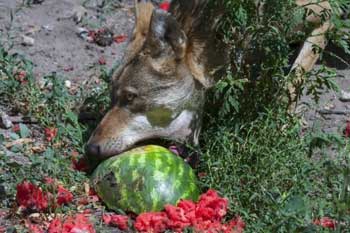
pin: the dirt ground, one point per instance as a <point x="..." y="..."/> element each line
<point x="333" y="110"/>
<point x="57" y="46"/>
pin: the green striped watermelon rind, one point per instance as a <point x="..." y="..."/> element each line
<point x="131" y="181"/>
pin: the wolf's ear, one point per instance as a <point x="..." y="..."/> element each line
<point x="164" y="31"/>
<point x="143" y="13"/>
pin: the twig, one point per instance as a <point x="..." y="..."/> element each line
<point x="19" y="142"/>
<point x="334" y="112"/>
<point x="25" y="120"/>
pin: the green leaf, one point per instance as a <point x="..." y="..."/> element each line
<point x="14" y="136"/>
<point x="24" y="131"/>
<point x="296" y="204"/>
<point x="2" y="138"/>
<point x="49" y="153"/>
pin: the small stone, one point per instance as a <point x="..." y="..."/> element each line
<point x="84" y="34"/>
<point x="41" y="84"/>
<point x="18" y="160"/>
<point x="329" y="106"/>
<point x="344" y="96"/>
<point x="38" y="1"/>
<point x="78" y="13"/>
<point x="68" y="84"/>
<point x="48" y="28"/>
<point x="5" y="121"/>
<point x="81" y="30"/>
<point x="15" y="159"/>
<point x="27" y="41"/>
<point x="32" y="29"/>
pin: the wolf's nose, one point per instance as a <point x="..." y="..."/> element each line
<point x="93" y="150"/>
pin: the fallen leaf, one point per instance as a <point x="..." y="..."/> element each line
<point x="38" y="149"/>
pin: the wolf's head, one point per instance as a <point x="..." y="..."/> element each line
<point x="158" y="90"/>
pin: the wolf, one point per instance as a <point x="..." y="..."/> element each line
<point x="172" y="59"/>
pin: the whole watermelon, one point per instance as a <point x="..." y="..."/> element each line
<point x="144" y="179"/>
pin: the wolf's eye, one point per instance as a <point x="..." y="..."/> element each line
<point x="127" y="96"/>
<point x="130" y="96"/>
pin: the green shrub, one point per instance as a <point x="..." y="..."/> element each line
<point x="264" y="168"/>
<point x="262" y="49"/>
<point x="255" y="153"/>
